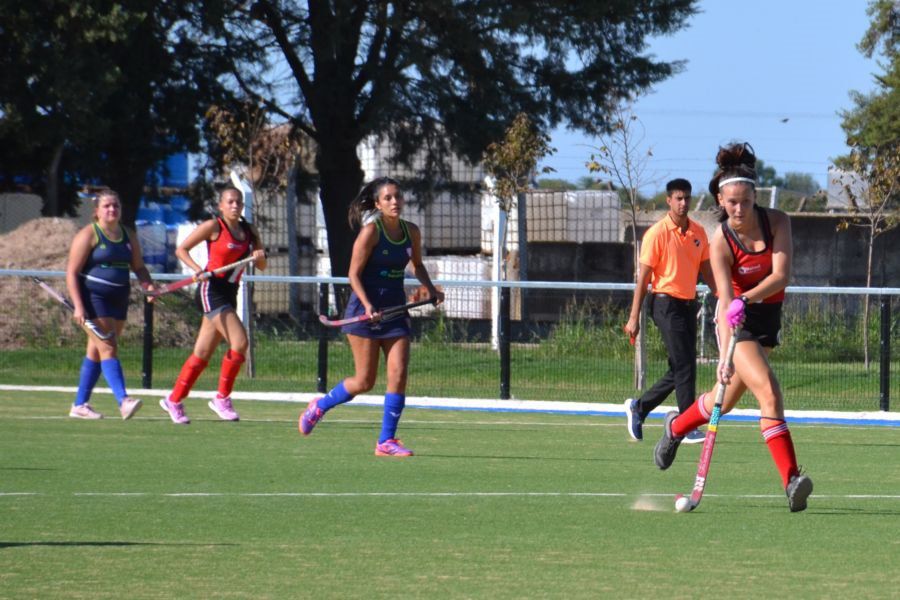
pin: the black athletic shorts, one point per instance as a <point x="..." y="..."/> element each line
<point x="216" y="295"/>
<point x="763" y="324"/>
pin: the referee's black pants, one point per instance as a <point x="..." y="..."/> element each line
<point x="677" y="323"/>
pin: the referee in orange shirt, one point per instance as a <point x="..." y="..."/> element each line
<point x="673" y="252"/>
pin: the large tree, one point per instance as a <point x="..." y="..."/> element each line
<point x="874" y="121"/>
<point x="101" y="91"/>
<point x="443" y="76"/>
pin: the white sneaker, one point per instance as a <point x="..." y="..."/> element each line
<point x="222" y="407"/>
<point x="175" y="411"/>
<point x="84" y="411"/>
<point x="694" y="437"/>
<point x="129" y="407"/>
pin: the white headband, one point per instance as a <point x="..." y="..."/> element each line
<point x="725" y="182"/>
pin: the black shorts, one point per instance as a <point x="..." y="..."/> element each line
<point x="216" y="295"/>
<point x="763" y="324"/>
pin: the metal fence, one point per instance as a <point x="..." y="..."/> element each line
<point x="570" y="346"/>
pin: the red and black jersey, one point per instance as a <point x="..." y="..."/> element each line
<point x="749" y="268"/>
<point x="225" y="250"/>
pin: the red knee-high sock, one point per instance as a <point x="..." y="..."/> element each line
<point x="781" y="446"/>
<point x="231" y="365"/>
<point x="190" y="371"/>
<point x="691" y="419"/>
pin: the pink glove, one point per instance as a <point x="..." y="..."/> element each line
<point x="735" y="313"/>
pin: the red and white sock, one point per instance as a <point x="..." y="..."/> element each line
<point x="190" y="371"/>
<point x="231" y="366"/>
<point x="691" y="419"/>
<point x="781" y="446"/>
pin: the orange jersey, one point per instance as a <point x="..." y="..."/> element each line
<point x="674" y="257"/>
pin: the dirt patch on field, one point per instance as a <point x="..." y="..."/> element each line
<point x="29" y="317"/>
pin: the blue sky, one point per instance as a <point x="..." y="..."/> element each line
<point x="749" y="65"/>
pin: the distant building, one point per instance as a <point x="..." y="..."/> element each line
<point x="839" y="182"/>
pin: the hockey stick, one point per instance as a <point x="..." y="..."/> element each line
<point x="197" y="277"/>
<point x="710" y="441"/>
<point x="89" y="325"/>
<point x="387" y="313"/>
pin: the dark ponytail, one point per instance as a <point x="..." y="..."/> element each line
<point x="365" y="200"/>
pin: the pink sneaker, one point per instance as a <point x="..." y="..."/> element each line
<point x="175" y="410"/>
<point x="312" y="415"/>
<point x="84" y="411"/>
<point x="222" y="407"/>
<point x="392" y="448"/>
<point x="129" y="407"/>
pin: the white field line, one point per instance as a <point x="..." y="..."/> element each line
<point x="427" y="422"/>
<point x="489" y="405"/>
<point x="437" y="495"/>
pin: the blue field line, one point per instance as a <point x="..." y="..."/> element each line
<point x="587" y="409"/>
<point x="791" y="418"/>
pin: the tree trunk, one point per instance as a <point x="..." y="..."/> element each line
<point x="130" y="186"/>
<point x="340" y="178"/>
<point x="51" y="199"/>
<point x="867" y="298"/>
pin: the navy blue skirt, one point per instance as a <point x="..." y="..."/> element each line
<point x="381" y="298"/>
<point x="102" y="300"/>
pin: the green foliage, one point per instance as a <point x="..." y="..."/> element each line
<point x="790" y="201"/>
<point x="102" y="91"/>
<point x="656" y="202"/>
<point x="513" y="161"/>
<point x="819" y="335"/>
<point x="872" y="125"/>
<point x="556" y="184"/>
<point x="802" y="183"/>
<point x="442" y="78"/>
<point x="439" y="330"/>
<point x="589" y="328"/>
<point x="765" y="175"/>
<point x="592" y="183"/>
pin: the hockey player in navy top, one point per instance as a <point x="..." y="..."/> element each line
<point x="386" y="244"/>
<point x="97" y="277"/>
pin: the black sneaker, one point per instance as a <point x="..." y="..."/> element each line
<point x="667" y="446"/>
<point x="798" y="490"/>
<point x="635" y="423"/>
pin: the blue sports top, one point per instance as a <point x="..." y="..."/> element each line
<point x="109" y="262"/>
<point x="387" y="263"/>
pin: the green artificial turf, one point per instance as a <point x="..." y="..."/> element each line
<point x="493" y="505"/>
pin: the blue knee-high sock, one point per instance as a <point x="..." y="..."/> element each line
<point x="112" y="372"/>
<point x="393" y="408"/>
<point x="90" y="373"/>
<point x="337" y="395"/>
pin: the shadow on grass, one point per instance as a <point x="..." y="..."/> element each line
<point x="27" y="469"/>
<point x="101" y="544"/>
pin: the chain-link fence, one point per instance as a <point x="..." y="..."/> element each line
<point x="572" y="348"/>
